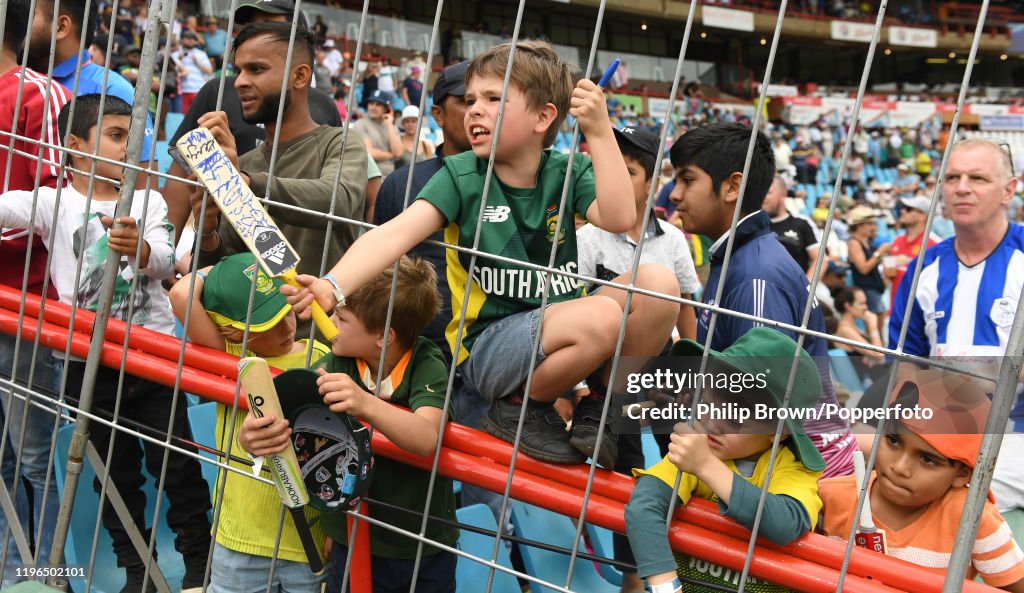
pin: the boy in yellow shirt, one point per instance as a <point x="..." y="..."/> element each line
<point x="728" y="462"/>
<point x="244" y="548"/>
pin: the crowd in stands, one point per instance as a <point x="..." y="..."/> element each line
<point x="391" y="368"/>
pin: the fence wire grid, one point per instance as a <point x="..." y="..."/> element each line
<point x="37" y="395"/>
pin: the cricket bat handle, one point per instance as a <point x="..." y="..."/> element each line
<point x="321" y="318"/>
<point x="312" y="552"/>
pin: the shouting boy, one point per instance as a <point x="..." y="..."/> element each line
<point x="518" y="219"/>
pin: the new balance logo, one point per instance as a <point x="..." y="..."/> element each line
<point x="496" y="213"/>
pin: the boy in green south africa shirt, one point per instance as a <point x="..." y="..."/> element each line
<point x="518" y="221"/>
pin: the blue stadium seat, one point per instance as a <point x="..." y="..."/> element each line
<point x="107" y="577"/>
<point x="171" y="123"/>
<point x="601" y="541"/>
<point x="542" y="525"/>
<point x="844" y="373"/>
<point x="470" y="576"/>
<point x="203" y="421"/>
<point x="163" y="160"/>
<point x="652" y="454"/>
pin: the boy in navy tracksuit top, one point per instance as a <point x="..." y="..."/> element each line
<point x="762" y="278"/>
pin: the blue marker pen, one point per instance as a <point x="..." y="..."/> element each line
<point x="609" y="73"/>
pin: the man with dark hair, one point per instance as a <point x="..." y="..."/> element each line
<point x="71" y="67"/>
<point x="795" y="233"/>
<point x="35" y="119"/>
<point x="448" y="111"/>
<point x="247" y="135"/>
<point x="309" y="155"/>
<point x="762" y="278"/>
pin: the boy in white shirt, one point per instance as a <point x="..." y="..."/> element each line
<point x="83" y="227"/>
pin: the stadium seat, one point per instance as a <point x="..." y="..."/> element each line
<point x="844" y="373"/>
<point x="1015" y="519"/>
<point x="470" y="576"/>
<point x="601" y="541"/>
<point x="163" y="160"/>
<point x="107" y="577"/>
<point x="538" y="524"/>
<point x="203" y="421"/>
<point x="652" y="454"/>
<point x="171" y="123"/>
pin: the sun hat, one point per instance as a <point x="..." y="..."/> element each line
<point x="767" y="353"/>
<point x="959" y="410"/>
<point x="226" y="294"/>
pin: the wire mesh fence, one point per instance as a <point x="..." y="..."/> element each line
<point x="102" y="377"/>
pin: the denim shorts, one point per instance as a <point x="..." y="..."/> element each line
<point x="237" y="572"/>
<point x="876" y="304"/>
<point x="500" y="358"/>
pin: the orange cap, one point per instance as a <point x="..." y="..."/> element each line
<point x="952" y="412"/>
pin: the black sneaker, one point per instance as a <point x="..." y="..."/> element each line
<point x="544" y="436"/>
<point x="585" y="422"/>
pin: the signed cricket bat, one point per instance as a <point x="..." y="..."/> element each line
<point x="867" y="536"/>
<point x="246" y="214"/>
<point x="258" y="386"/>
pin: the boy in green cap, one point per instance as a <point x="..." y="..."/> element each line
<point x="407" y="407"/>
<point x="223" y="292"/>
<point x="727" y="461"/>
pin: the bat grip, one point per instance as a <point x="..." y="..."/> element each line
<point x="312" y="553"/>
<point x="321" y="318"/>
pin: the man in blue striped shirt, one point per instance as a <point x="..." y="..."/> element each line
<point x="967" y="295"/>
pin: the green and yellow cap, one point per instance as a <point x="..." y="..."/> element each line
<point x="226" y="294"/>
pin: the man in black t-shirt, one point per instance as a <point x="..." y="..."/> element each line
<point x="795" y="234"/>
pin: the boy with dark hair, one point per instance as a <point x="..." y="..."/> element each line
<point x="919" y="485"/>
<point x="245" y="549"/>
<point x="414" y="377"/>
<point x="762" y="278"/>
<point x="519" y="219"/>
<point x="727" y="461"/>
<point x="28" y="110"/>
<point x="605" y="256"/>
<point x="82" y="228"/>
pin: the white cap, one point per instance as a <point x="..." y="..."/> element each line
<point x="329" y="43"/>
<point x="411" y="111"/>
<point x="920" y="203"/>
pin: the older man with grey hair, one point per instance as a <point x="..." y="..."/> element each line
<point x="966" y="299"/>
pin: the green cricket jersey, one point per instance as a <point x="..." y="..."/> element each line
<point x="518" y="223"/>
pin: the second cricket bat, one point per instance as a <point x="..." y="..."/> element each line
<point x="246" y="214"/>
<point x="867" y="536"/>
<point x="258" y="386"/>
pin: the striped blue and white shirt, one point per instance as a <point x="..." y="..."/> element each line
<point x="960" y="310"/>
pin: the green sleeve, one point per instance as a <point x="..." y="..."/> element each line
<point x="372" y="169"/>
<point x="586" y="191"/>
<point x="442" y="191"/>
<point x="783" y="520"/>
<point x="428" y="376"/>
<point x="646" y="527"/>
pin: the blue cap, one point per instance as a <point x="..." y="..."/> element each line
<point x="379" y="96"/>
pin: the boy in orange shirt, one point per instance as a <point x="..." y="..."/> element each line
<point x="919" y="485"/>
